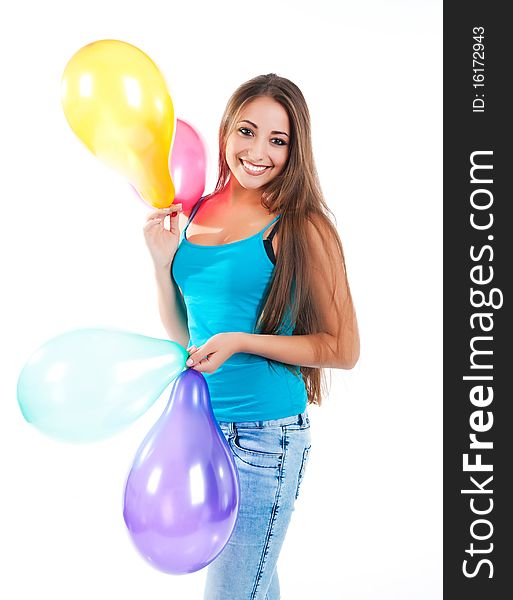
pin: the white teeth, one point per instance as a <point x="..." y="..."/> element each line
<point x="253" y="167"/>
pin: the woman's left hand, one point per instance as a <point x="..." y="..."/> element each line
<point x="214" y="352"/>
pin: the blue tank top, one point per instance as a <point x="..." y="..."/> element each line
<point x="223" y="287"/>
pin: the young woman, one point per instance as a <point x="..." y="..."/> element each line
<point x="259" y="295"/>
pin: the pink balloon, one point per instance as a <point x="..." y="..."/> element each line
<point x="187" y="165"/>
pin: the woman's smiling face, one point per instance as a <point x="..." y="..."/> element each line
<point x="258" y="147"/>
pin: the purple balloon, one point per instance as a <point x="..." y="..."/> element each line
<point x="182" y="494"/>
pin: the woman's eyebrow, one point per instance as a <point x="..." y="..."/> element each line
<point x="256" y="127"/>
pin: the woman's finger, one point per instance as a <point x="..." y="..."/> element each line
<point x="193" y="356"/>
<point x="163" y="212"/>
<point x="202" y="367"/>
<point x="152" y="224"/>
<point x="197" y="359"/>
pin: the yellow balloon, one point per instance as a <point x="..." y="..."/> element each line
<point x="116" y="101"/>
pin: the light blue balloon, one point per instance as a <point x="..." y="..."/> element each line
<point x="88" y="384"/>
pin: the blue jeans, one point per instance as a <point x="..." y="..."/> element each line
<point x="271" y="457"/>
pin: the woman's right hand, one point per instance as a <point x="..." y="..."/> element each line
<point x="163" y="243"/>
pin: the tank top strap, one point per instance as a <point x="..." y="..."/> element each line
<point x="194" y="211"/>
<point x="273" y="231"/>
<point x="269" y="225"/>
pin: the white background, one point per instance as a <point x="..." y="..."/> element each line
<point x="369" y="523"/>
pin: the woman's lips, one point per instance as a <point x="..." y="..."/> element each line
<point x="252" y="169"/>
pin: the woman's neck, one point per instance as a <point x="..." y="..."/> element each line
<point x="237" y="195"/>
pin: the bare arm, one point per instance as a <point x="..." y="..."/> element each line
<point x="296" y="349"/>
<point x="162" y="244"/>
<point x="171" y="307"/>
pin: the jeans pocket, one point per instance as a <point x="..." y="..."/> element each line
<point x="306" y="453"/>
<point x="258" y="447"/>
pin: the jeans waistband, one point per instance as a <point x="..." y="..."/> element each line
<point x="300" y="419"/>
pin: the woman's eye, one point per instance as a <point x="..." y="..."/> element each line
<point x="276" y="141"/>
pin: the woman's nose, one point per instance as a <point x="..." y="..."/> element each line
<point x="257" y="150"/>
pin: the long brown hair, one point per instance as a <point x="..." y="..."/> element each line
<point x="295" y="194"/>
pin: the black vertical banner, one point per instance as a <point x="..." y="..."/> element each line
<point x="478" y="257"/>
